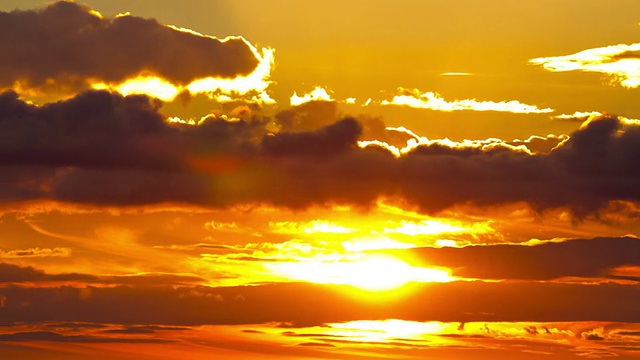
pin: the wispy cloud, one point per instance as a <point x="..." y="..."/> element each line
<point x="434" y="101"/>
<point x="35" y="252"/>
<point x="621" y="62"/>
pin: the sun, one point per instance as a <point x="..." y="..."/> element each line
<point x="369" y="272"/>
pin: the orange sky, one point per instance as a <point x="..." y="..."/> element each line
<point x="247" y="179"/>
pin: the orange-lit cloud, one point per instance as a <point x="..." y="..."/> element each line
<point x="35" y="252"/>
<point x="621" y="62"/>
<point x="433" y="101"/>
<point x="130" y="54"/>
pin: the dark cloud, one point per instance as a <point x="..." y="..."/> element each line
<point x="329" y="140"/>
<point x="73" y="326"/>
<point x="66" y="46"/>
<point x="629" y="333"/>
<point x="310" y="304"/>
<point x="17" y="274"/>
<point x="101" y="148"/>
<point x="308" y="116"/>
<point x="56" y="337"/>
<point x="574" y="258"/>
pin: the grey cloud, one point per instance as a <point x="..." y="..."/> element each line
<point x="10" y="273"/>
<point x="15" y="273"/>
<point x="65" y="46"/>
<point x="56" y="337"/>
<point x="105" y="149"/>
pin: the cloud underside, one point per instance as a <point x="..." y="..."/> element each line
<point x="595" y="258"/>
<point x="307" y="304"/>
<point x="101" y="148"/>
<point x="66" y="47"/>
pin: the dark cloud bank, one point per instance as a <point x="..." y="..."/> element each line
<point x="65" y="46"/>
<point x="101" y="148"/>
<point x="582" y="258"/>
<point x="178" y="300"/>
<point x="309" y="304"/>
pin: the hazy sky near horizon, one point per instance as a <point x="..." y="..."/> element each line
<point x="336" y="179"/>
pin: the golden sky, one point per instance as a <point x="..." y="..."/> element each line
<point x="337" y="179"/>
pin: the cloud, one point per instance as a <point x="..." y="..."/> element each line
<point x="311" y="227"/>
<point x="317" y="94"/>
<point x="541" y="144"/>
<point x="309" y="115"/>
<point x="56" y="337"/>
<point x="67" y="152"/>
<point x="67" y="47"/>
<point x="306" y="304"/>
<point x="621" y="62"/>
<point x="15" y="274"/>
<point x="593" y="258"/>
<point x="433" y="101"/>
<point x="35" y="252"/>
<point x="587" y="116"/>
<point x="10" y="273"/>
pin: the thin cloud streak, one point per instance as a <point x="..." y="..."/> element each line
<point x="433" y="101"/>
<point x="620" y="62"/>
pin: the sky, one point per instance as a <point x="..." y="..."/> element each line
<point x="336" y="180"/>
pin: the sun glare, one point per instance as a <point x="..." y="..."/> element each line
<point x="385" y="330"/>
<point x="371" y="272"/>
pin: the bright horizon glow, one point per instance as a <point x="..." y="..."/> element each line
<point x="371" y="272"/>
<point x="386" y="330"/>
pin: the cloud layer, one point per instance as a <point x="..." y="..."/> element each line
<point x="105" y="149"/>
<point x="593" y="258"/>
<point x="309" y="304"/>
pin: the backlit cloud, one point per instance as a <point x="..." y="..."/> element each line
<point x="67" y="47"/>
<point x="158" y="161"/>
<point x="621" y="62"/>
<point x="317" y="94"/>
<point x="585" y="259"/>
<point x="433" y="101"/>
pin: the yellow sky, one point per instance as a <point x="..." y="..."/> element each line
<point x="320" y="180"/>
